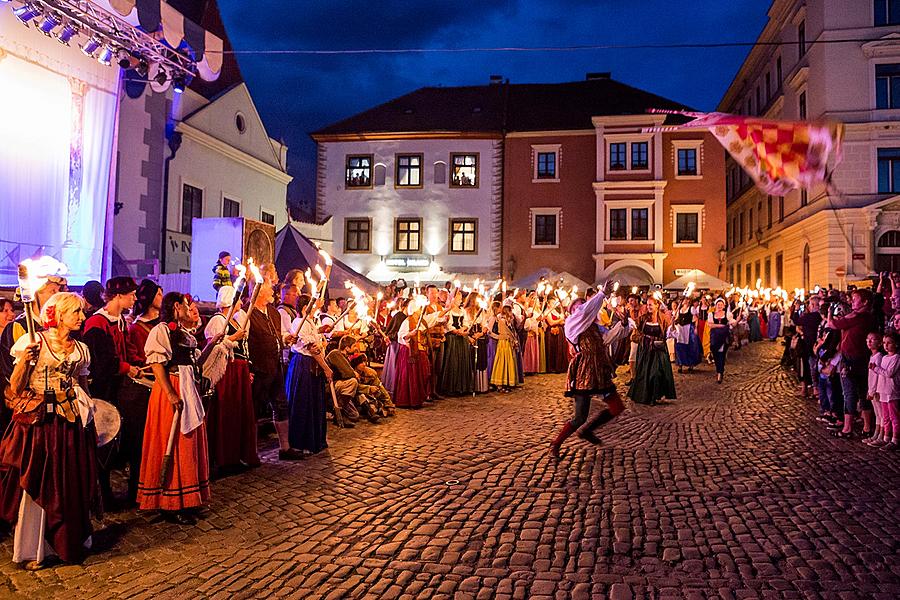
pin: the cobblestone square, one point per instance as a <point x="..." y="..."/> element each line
<point x="733" y="491"/>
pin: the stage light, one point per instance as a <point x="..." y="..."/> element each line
<point x="90" y="47"/>
<point x="143" y="68"/>
<point x="178" y="85"/>
<point x="27" y="12"/>
<point x="106" y="55"/>
<point x="49" y="23"/>
<point x="126" y="60"/>
<point x="66" y="34"/>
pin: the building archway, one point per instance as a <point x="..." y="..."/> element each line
<point x="630" y="273"/>
<point x="887" y="251"/>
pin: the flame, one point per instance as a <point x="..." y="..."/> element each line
<point x="379" y="296"/>
<point x="616" y="286"/>
<point x="482" y="303"/>
<point x="241" y="278"/>
<point x="456" y="283"/>
<point x="313" y="285"/>
<point x="33" y="274"/>
<point x="308" y="274"/>
<point x="634" y="289"/>
<point x="326" y="257"/>
<point x="347" y="284"/>
<point x="320" y="272"/>
<point x="574" y="290"/>
<point x="254" y="270"/>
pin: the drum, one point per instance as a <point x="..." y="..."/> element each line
<point x="107" y="422"/>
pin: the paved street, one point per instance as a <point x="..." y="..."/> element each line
<point x="733" y="492"/>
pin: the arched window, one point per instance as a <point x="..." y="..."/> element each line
<point x="380" y="171"/>
<point x="889" y="239"/>
<point x="887" y="256"/>
<point x="806" y="266"/>
<point x="440" y="172"/>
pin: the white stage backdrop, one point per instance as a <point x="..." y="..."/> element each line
<point x="57" y="130"/>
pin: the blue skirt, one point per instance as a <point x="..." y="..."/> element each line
<point x="305" y="386"/>
<point x="774" y="325"/>
<point x="491" y="353"/>
<point x="689" y="355"/>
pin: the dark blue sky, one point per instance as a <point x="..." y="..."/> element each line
<point x="296" y="94"/>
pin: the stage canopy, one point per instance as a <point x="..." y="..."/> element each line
<point x="293" y="250"/>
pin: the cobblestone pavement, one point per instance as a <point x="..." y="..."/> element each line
<point x="733" y="492"/>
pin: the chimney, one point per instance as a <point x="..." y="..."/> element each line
<point x="496" y="79"/>
<point x="598" y="76"/>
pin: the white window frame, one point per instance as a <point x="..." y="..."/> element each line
<point x="544" y="149"/>
<point x="544" y="211"/>
<point x="223" y="197"/>
<point x="628" y="205"/>
<point x="628" y="139"/>
<point x="697" y="146"/>
<point x="700" y="211"/>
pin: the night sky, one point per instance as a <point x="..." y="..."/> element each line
<point x="297" y="94"/>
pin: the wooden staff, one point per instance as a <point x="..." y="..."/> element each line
<point x="338" y="417"/>
<point x="170" y="448"/>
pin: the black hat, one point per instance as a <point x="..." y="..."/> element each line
<point x="146" y="292"/>
<point x="93" y="293"/>
<point x="116" y="286"/>
<point x="357" y="359"/>
<point x="223" y="254"/>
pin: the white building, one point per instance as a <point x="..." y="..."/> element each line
<point x="809" y="238"/>
<point x="415" y="185"/>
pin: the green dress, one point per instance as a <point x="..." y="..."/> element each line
<point x="653" y="377"/>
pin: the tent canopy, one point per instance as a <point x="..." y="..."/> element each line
<point x="702" y="281"/>
<point x="561" y="279"/>
<point x="293" y="250"/>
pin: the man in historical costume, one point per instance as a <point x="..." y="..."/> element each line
<point x="267" y="339"/>
<point x="48" y="467"/>
<point x="435" y="317"/>
<point x="12" y="332"/>
<point x="106" y="334"/>
<point x="376" y="391"/>
<point x="179" y="488"/>
<point x="590" y="373"/>
<point x="355" y="398"/>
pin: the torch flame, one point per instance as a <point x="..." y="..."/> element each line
<point x="254" y="270"/>
<point x="326" y="257"/>
<point x="320" y="272"/>
<point x="33" y="273"/>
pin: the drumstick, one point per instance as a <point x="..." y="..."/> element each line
<point x="170" y="448"/>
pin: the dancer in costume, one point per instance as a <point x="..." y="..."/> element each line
<point x="590" y="373"/>
<point x="48" y="467"/>
<point x="475" y="318"/>
<point x="687" y="342"/>
<point x="719" y="325"/>
<point x="412" y="378"/>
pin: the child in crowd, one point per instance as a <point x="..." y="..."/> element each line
<point x="873" y="342"/>
<point x="889" y="392"/>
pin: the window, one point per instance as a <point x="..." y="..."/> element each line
<point x="740" y="239"/>
<point x="191" y="206"/>
<point x="357" y="235"/>
<point x="750" y="228"/>
<point x="687" y="161"/>
<point x="440" y="172"/>
<point x="463" y="236"/>
<point x="267" y="217"/>
<point x="769" y="211"/>
<point x="768" y="273"/>
<point x="639" y="155"/>
<point x="780" y="209"/>
<point x="759" y="216"/>
<point x="888" y="170"/>
<point x="465" y="170"/>
<point x="618" y="224"/>
<point x="639" y="224"/>
<point x="747" y="274"/>
<point x="545" y="229"/>
<point x="409" y="170"/>
<point x="358" y="172"/>
<point x="731" y="274"/>
<point x="804" y="198"/>
<point x="887" y="12"/>
<point x="546" y="165"/>
<point x="758" y="100"/>
<point x="617" y="157"/>
<point x="801" y="38"/>
<point x="768" y="86"/>
<point x="779" y="75"/>
<point x="686" y="228"/>
<point x="802" y="105"/>
<point x="806" y="266"/>
<point x="408" y="236"/>
<point x="887" y="86"/>
<point x="756" y="271"/>
<point x="737" y="272"/>
<point x="230" y="208"/>
<point x="779" y="269"/>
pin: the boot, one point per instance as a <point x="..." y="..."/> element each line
<point x="566" y="431"/>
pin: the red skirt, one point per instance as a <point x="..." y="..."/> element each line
<point x="56" y="464"/>
<point x="408" y="383"/>
<point x="187" y="482"/>
<point x="231" y="419"/>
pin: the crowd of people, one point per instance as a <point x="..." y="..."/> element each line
<point x="189" y="390"/>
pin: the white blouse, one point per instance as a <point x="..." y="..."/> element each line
<point x="308" y="336"/>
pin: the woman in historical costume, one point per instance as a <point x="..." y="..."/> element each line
<point x="557" y="347"/>
<point x="134" y="397"/>
<point x="703" y="330"/>
<point x="590" y="373"/>
<point x="653" y="377"/>
<point x="719" y="325"/>
<point x="457" y="377"/>
<point x="389" y="373"/>
<point x="531" y="358"/>
<point x="490" y="327"/>
<point x="504" y="375"/>
<point x="48" y="467"/>
<point x="175" y="406"/>
<point x="755" y="330"/>
<point x="307" y="384"/>
<point x="687" y="342"/>
<point x="231" y="418"/>
<point x="774" y="320"/>
<point x="409" y="385"/>
<point x="475" y="322"/>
